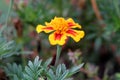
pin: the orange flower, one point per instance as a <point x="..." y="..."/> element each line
<point x="60" y="30"/>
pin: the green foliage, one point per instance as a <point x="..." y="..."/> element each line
<point x="75" y="69"/>
<point x="33" y="70"/>
<point x="110" y="11"/>
<point x="59" y="74"/>
<point x="117" y="76"/>
<point x="14" y="71"/>
<point x="36" y="69"/>
<point x="62" y="73"/>
<point x="7" y="48"/>
<point x="36" y="12"/>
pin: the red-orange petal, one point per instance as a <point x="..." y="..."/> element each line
<point x="72" y="24"/>
<point x="46" y="29"/>
<point x="75" y="34"/>
<point x="72" y="32"/>
<point x="57" y="38"/>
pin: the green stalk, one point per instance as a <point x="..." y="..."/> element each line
<point x="8" y="14"/>
<point x="58" y="54"/>
<point x="9" y="10"/>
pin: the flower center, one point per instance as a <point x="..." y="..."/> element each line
<point x="61" y="26"/>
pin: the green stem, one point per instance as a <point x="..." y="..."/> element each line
<point x="58" y="54"/>
<point x="8" y="14"/>
<point x="9" y="10"/>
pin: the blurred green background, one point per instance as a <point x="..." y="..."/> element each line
<point x="99" y="49"/>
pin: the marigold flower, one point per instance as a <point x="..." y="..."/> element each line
<point x="60" y="29"/>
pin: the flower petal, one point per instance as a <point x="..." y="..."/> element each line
<point x="46" y="29"/>
<point x="75" y="34"/>
<point x="57" y="38"/>
<point x="72" y="24"/>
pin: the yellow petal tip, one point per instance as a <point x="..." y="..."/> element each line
<point x="39" y="28"/>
